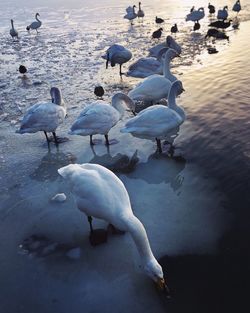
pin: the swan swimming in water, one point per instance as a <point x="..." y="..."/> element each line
<point x="117" y="54"/>
<point x="156" y="87"/>
<point x="158" y="121"/>
<point x="131" y="15"/>
<point x="99" y="117"/>
<point x="36" y="24"/>
<point x="155" y="51"/>
<point x="223" y="14"/>
<point x="13" y="32"/>
<point x="45" y="117"/>
<point x="195" y="15"/>
<point x="100" y="193"/>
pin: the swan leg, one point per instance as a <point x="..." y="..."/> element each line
<point x="98" y="236"/>
<point x="48" y="141"/>
<point x="158" y="141"/>
<point x="55" y="138"/>
<point x="91" y="140"/>
<point x="90" y="219"/>
<point x="121" y="73"/>
<point x="107" y="139"/>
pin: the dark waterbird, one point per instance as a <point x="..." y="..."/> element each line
<point x="197" y="26"/>
<point x="211" y="8"/>
<point x="221" y="24"/>
<point x="22" y="69"/>
<point x="213" y="32"/>
<point x="174" y="29"/>
<point x="158" y="20"/>
<point x="192" y="9"/>
<point x="157" y="34"/>
<point x="99" y="91"/>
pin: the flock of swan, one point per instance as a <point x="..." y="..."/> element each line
<point x="34" y="25"/>
<point x="98" y="192"/>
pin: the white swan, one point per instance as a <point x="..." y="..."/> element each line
<point x="145" y="67"/>
<point x="195" y="15"/>
<point x="100" y="193"/>
<point x="155" y="87"/>
<point x="131" y="15"/>
<point x="237" y="6"/>
<point x="13" y="32"/>
<point x="140" y="12"/>
<point x="223" y="14"/>
<point x="155" y="51"/>
<point x="117" y="54"/>
<point x="158" y="121"/>
<point x="99" y="117"/>
<point x="36" y="24"/>
<point x="45" y="117"/>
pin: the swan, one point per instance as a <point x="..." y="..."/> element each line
<point x="155" y="87"/>
<point x="237" y="6"/>
<point x="169" y="43"/>
<point x="211" y="8"/>
<point x="131" y="15"/>
<point x="145" y="67"/>
<point x="223" y="14"/>
<point x="36" y="24"/>
<point x="158" y="121"/>
<point x="140" y="12"/>
<point x="100" y="193"/>
<point x="45" y="117"/>
<point x="13" y="32"/>
<point x="195" y="15"/>
<point x="117" y="54"/>
<point x="99" y="117"/>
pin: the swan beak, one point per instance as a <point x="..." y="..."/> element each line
<point x="162" y="286"/>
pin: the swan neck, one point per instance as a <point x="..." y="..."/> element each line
<point x="166" y="70"/>
<point x="139" y="6"/>
<point x="120" y="102"/>
<point x="172" y="103"/>
<point x="12" y="24"/>
<point x="139" y="235"/>
<point x="37" y="18"/>
<point x="56" y="97"/>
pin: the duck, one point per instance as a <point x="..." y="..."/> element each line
<point x="159" y="121"/>
<point x="236" y="23"/>
<point x="99" y="117"/>
<point x="99" y="193"/>
<point x="117" y="54"/>
<point x="99" y="91"/>
<point x="13" y="31"/>
<point x="195" y="15"/>
<point x="147" y="66"/>
<point x="159" y="20"/>
<point x="45" y="117"/>
<point x="131" y="15"/>
<point x="169" y="43"/>
<point x="174" y="29"/>
<point x="213" y="32"/>
<point x="22" y="69"/>
<point x="223" y="13"/>
<point x="157" y="34"/>
<point x="156" y="87"/>
<point x="221" y="24"/>
<point x="35" y="25"/>
<point x="237" y="6"/>
<point x="140" y="12"/>
<point x="211" y="8"/>
<point x="197" y="26"/>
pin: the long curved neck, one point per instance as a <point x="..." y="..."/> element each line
<point x="166" y="70"/>
<point x="139" y="235"/>
<point x="139" y="6"/>
<point x="134" y="10"/>
<point x="172" y="103"/>
<point x="12" y="24"/>
<point x="37" y="18"/>
<point x="118" y="101"/>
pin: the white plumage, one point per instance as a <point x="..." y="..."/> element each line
<point x="196" y="15"/>
<point x="140" y="12"/>
<point x="131" y="15"/>
<point x="169" y="43"/>
<point x="223" y="13"/>
<point x="101" y="194"/>
<point x="36" y="24"/>
<point x="13" y="32"/>
<point x="237" y="6"/>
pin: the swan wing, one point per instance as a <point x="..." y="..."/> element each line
<point x="145" y="67"/>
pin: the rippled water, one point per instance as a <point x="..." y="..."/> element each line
<point x="195" y="211"/>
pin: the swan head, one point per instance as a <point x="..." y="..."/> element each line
<point x="171" y="54"/>
<point x="11" y="21"/>
<point x="56" y="96"/>
<point x="37" y="14"/>
<point x="177" y="87"/>
<point x="121" y="102"/>
<point x="225" y="7"/>
<point x="153" y="269"/>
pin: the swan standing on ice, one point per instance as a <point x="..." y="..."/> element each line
<point x="140" y="12"/>
<point x="156" y="50"/>
<point x="195" y="15"/>
<point x="131" y="15"/>
<point x="156" y="87"/>
<point x="117" y="54"/>
<point x="237" y="6"/>
<point x="159" y="121"/>
<point x="99" y="117"/>
<point x="45" y="117"/>
<point x="36" y="24"/>
<point x="223" y="14"/>
<point x="100" y="193"/>
<point x="13" y="32"/>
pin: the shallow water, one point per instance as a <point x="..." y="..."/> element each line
<point x="195" y="210"/>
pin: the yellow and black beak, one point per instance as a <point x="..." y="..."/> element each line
<point x="162" y="286"/>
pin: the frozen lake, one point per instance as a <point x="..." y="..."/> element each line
<point x="195" y="209"/>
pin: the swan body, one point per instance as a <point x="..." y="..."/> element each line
<point x="117" y="54"/>
<point x="145" y="67"/>
<point x="223" y="13"/>
<point x="140" y="12"/>
<point x="156" y="50"/>
<point x="44" y="116"/>
<point x="13" y="31"/>
<point x="237" y="6"/>
<point x="158" y="121"/>
<point x="100" y="193"/>
<point x="36" y="24"/>
<point x="99" y="117"/>
<point x="195" y="15"/>
<point x="155" y="87"/>
<point x="131" y="15"/>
